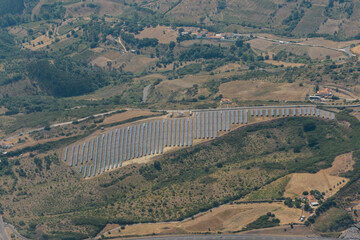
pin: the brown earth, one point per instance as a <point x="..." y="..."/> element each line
<point x="226" y="218"/>
<point x="259" y="90"/>
<point x="162" y="33"/>
<point x="285" y="64"/>
<point x="324" y="180"/>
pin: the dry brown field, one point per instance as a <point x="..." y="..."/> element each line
<point x="324" y="180"/>
<point x="162" y="33"/>
<point x="258" y="90"/>
<point x="226" y="218"/>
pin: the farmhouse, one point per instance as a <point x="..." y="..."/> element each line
<point x="312" y="201"/>
<point x="225" y="101"/>
<point x="324" y="93"/>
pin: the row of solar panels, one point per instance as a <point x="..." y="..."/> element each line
<point x="110" y="150"/>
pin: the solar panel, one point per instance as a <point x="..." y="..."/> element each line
<point x="87" y="151"/>
<point x="272" y="112"/>
<point x="162" y="137"/>
<point x="211" y="124"/>
<point x="166" y="133"/>
<point x="191" y="132"/>
<point x="261" y="112"/>
<point x="313" y="111"/>
<point x="246" y="117"/>
<point x="186" y="132"/>
<point x="121" y="147"/>
<point x="137" y="140"/>
<point x="125" y="145"/>
<point x="105" y="151"/>
<point x="77" y="155"/>
<point x="182" y="132"/>
<point x="170" y="131"/>
<point x="252" y="112"/>
<point x="146" y="138"/>
<point x="199" y="126"/>
<point x="100" y="154"/>
<point x="327" y="114"/>
<point x="133" y="142"/>
<point x="267" y="112"/>
<point x="174" y="133"/>
<point x="82" y="154"/>
<point x="85" y="168"/>
<point x="322" y="114"/>
<point x="80" y="169"/>
<point x="318" y="112"/>
<point x="153" y="138"/>
<point x="96" y="154"/>
<point x="195" y="126"/>
<point x="287" y="112"/>
<point x="241" y="117"/>
<point x="332" y="116"/>
<point x="203" y="125"/>
<point x="117" y="148"/>
<point x="66" y="153"/>
<point x="149" y="139"/>
<point x="228" y="120"/>
<point x="215" y="123"/>
<point x="232" y="117"/>
<point x="237" y="116"/>
<point x="224" y="121"/>
<point x="309" y="111"/>
<point x="109" y="150"/>
<point x="283" y="112"/>
<point x="72" y="156"/>
<point x="178" y="132"/>
<point x="300" y="112"/>
<point x="90" y="171"/>
<point x="92" y="149"/>
<point x="294" y="111"/>
<point x="130" y="143"/>
<point x="277" y="112"/>
<point x="142" y="139"/>
<point x="220" y="122"/>
<point x="157" y="136"/>
<point x="257" y="112"/>
<point x="207" y="124"/>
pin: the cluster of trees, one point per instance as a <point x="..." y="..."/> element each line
<point x="293" y="19"/>
<point x="139" y="43"/>
<point x="264" y="221"/>
<point x="65" y="77"/>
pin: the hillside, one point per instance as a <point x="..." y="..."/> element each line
<point x="176" y="186"/>
<point x="74" y="70"/>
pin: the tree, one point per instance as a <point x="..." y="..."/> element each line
<point x="172" y="45"/>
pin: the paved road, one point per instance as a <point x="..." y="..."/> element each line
<point x="231" y="237"/>
<point x="171" y="111"/>
<point x="3" y="235"/>
<point x="345" y="50"/>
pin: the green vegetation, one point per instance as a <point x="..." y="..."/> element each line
<point x="180" y="184"/>
<point x="264" y="221"/>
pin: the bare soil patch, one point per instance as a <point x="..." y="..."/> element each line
<point x="162" y="33"/>
<point x="356" y="49"/>
<point x="285" y="64"/>
<point x="324" y="180"/>
<point x="259" y="90"/>
<point x="226" y="218"/>
<point x="321" y="53"/>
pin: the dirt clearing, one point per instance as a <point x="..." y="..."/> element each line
<point x="162" y="33"/>
<point x="259" y="90"/>
<point x="226" y="218"/>
<point x="326" y="180"/>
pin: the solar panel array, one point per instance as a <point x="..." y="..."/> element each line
<point x="110" y="150"/>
